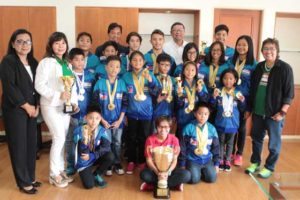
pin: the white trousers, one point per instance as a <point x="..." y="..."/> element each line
<point x="58" y="124"/>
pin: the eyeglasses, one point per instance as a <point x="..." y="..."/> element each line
<point x="178" y="30"/>
<point x="22" y="42"/>
<point x="163" y="127"/>
<point x="191" y="52"/>
<point x="269" y="49"/>
<point x="216" y="50"/>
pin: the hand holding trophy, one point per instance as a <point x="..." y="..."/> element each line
<point x="179" y="86"/>
<point x="162" y="159"/>
<point x="68" y="81"/>
<point x="200" y="84"/>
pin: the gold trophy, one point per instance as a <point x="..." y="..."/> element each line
<point x="163" y="157"/>
<point x="87" y="137"/>
<point x="202" y="47"/>
<point x="163" y="80"/>
<point x="179" y="85"/>
<point x="68" y="82"/>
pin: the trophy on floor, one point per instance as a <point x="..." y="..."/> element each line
<point x="162" y="158"/>
<point x="68" y="81"/>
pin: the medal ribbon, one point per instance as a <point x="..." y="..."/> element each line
<point x="112" y="94"/>
<point x="202" y="137"/>
<point x="227" y="99"/>
<point x="212" y="75"/>
<point x="190" y="96"/>
<point x="79" y="82"/>
<point x="138" y="83"/>
<point x="239" y="67"/>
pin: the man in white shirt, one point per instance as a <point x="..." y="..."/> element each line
<point x="176" y="45"/>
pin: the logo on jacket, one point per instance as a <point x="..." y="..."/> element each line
<point x="130" y="89"/>
<point x="102" y="96"/>
<point x="193" y="142"/>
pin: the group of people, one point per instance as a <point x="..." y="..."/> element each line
<point x="171" y="99"/>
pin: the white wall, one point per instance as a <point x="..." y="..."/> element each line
<point x="66" y="11"/>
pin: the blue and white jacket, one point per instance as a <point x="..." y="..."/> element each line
<point x="189" y="144"/>
<point x="229" y="51"/>
<point x="139" y="110"/>
<point x="101" y="98"/>
<point x="203" y="73"/>
<point x="89" y="82"/>
<point x="101" y="147"/>
<point x="92" y="62"/>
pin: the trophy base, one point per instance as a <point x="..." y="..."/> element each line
<point x="70" y="109"/>
<point x="161" y="193"/>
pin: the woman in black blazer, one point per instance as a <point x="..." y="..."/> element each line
<point x="20" y="108"/>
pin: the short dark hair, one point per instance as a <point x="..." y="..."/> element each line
<point x="250" y="54"/>
<point x="221" y="27"/>
<point x="136" y="53"/>
<point x="271" y="41"/>
<point x="187" y="47"/>
<point x="159" y="119"/>
<point x="208" y="57"/>
<point x="113" y="26"/>
<point x="84" y="34"/>
<point x="157" y="31"/>
<point x="113" y="58"/>
<point x="163" y="57"/>
<point x="230" y="71"/>
<point x="202" y="104"/>
<point x="74" y="52"/>
<point x="93" y="108"/>
<point x="177" y="23"/>
<point x="13" y="37"/>
<point x="54" y="37"/>
<point x="110" y="43"/>
<point x="131" y="34"/>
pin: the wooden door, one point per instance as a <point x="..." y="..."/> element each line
<point x="240" y="22"/>
<point x="96" y="20"/>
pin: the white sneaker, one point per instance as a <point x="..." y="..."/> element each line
<point x="58" y="181"/>
<point x="109" y="172"/>
<point x="67" y="178"/>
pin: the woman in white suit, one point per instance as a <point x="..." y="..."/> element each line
<point x="50" y="86"/>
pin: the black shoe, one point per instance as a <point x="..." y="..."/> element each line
<point x="31" y="191"/>
<point x="36" y="184"/>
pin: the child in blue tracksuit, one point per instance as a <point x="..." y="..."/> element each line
<point x="109" y="95"/>
<point x="213" y="66"/>
<point x="190" y="53"/>
<point x="157" y="41"/>
<point x="84" y="42"/>
<point x="200" y="147"/>
<point x="221" y="34"/>
<point x="92" y="148"/>
<point x="164" y="103"/>
<point x="229" y="102"/>
<point x="134" y="41"/>
<point x="140" y="86"/>
<point x="84" y="81"/>
<point x="110" y="48"/>
<point x="244" y="63"/>
<point x="188" y="92"/>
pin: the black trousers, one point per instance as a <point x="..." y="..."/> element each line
<point x="87" y="175"/>
<point x="240" y="138"/>
<point x="21" y="136"/>
<point x="138" y="131"/>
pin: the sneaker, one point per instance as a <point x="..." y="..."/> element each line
<point x="100" y="182"/>
<point x="70" y="171"/>
<point x="179" y="187"/>
<point x="221" y="166"/>
<point x="109" y="171"/>
<point x="232" y="157"/>
<point x="238" y="160"/>
<point x="141" y="166"/>
<point x="146" y="187"/>
<point x="58" y="181"/>
<point x="264" y="173"/>
<point x="130" y="168"/>
<point x="252" y="168"/>
<point x="119" y="169"/>
<point x="67" y="178"/>
<point x="227" y="166"/>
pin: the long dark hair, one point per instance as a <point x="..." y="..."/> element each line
<point x="183" y="68"/>
<point x="54" y="37"/>
<point x="230" y="71"/>
<point x="250" y="54"/>
<point x="187" y="47"/>
<point x="11" y="50"/>
<point x="208" y="57"/>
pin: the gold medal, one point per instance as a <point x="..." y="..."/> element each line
<point x="139" y="85"/>
<point x="200" y="82"/>
<point x="111" y="106"/>
<point x="239" y="68"/>
<point x="202" y="137"/>
<point x="111" y="95"/>
<point x="239" y="81"/>
<point x="169" y="98"/>
<point x="198" y="151"/>
<point x="213" y="75"/>
<point x="191" y="98"/>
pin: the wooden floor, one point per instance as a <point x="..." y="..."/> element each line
<point x="232" y="185"/>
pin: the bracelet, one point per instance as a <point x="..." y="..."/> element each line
<point x="282" y="113"/>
